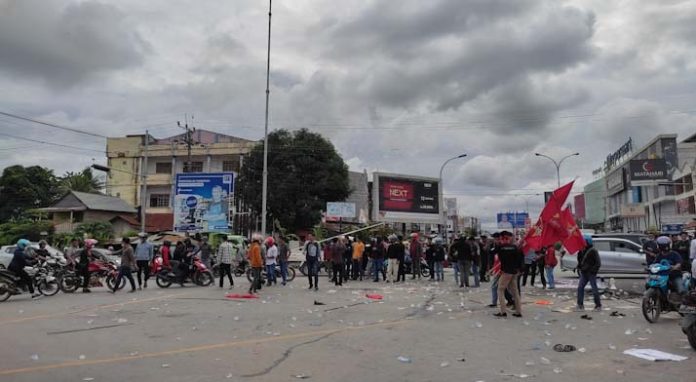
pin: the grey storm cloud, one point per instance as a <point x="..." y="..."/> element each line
<point x="64" y="44"/>
<point x="453" y="52"/>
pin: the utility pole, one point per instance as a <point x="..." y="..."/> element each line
<point x="264" y="192"/>
<point x="188" y="139"/>
<point x="143" y="181"/>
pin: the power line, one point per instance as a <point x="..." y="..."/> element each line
<point x="50" y="143"/>
<point x="74" y="130"/>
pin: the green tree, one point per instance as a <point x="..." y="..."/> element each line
<point x="28" y="229"/>
<point x="83" y="181"/>
<point x="304" y="172"/>
<point x="101" y="231"/>
<point x="25" y="188"/>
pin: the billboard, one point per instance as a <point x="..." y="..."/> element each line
<point x="202" y="202"/>
<point x="512" y="219"/>
<point x="615" y="181"/>
<point x="633" y="210"/>
<point x="405" y="199"/>
<point x="340" y="210"/>
<point x="650" y="170"/>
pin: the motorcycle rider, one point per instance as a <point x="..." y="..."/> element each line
<point x="42" y="253"/>
<point x="665" y="252"/>
<point x="72" y="251"/>
<point x="21" y="259"/>
<point x="84" y="258"/>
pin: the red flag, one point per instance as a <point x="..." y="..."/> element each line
<point x="575" y="241"/>
<point x="556" y="202"/>
<point x="549" y="228"/>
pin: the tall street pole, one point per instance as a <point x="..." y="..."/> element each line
<point x="143" y="181"/>
<point x="264" y="196"/>
<point x="557" y="164"/>
<point x="443" y="213"/>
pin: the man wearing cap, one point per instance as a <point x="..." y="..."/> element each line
<point x="511" y="263"/>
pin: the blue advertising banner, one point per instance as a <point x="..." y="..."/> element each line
<point x="512" y="219"/>
<point x="672" y="229"/>
<point x="202" y="202"/>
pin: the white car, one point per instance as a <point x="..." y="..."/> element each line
<point x="7" y="252"/>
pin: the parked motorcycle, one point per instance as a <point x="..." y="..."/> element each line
<point x="324" y="269"/>
<point x="688" y="322"/>
<point x="264" y="274"/>
<point x="238" y="271"/>
<point x="199" y="274"/>
<point x="425" y="269"/>
<point x="99" y="270"/>
<point x="658" y="298"/>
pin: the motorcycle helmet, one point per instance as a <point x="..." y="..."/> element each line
<point x="664" y="243"/>
<point x="89" y="243"/>
<point x="270" y="241"/>
<point x="392" y="238"/>
<point x="23" y="243"/>
<point x="588" y="239"/>
<point x="438" y="241"/>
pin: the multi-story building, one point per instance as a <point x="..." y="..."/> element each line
<point x="160" y="160"/>
<point x="683" y="178"/>
<point x="595" y="202"/>
<point x="634" y="204"/>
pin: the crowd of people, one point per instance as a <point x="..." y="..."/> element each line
<point x="499" y="260"/>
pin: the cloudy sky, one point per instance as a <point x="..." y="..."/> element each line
<point x="398" y="86"/>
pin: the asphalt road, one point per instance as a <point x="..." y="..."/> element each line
<point x="441" y="331"/>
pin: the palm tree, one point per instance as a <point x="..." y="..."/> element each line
<point x="83" y="181"/>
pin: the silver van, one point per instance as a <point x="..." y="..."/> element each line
<point x="617" y="255"/>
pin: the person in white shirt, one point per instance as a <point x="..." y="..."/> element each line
<point x="226" y="254"/>
<point x="271" y="256"/>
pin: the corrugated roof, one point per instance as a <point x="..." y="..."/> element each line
<point x="103" y="202"/>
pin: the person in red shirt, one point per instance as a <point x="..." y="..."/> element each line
<point x="550" y="262"/>
<point x="164" y="251"/>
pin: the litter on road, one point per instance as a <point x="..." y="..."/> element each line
<point x="654" y="355"/>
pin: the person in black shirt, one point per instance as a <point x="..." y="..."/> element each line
<point x="682" y="247"/>
<point x="588" y="268"/>
<point x="650" y="249"/>
<point x="511" y="263"/>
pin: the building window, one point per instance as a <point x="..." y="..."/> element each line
<point x="159" y="200"/>
<point x="163" y="167"/>
<point x="193" y="167"/>
<point x="229" y="166"/>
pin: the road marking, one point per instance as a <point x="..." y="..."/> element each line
<point x="194" y="349"/>
<point x="58" y="314"/>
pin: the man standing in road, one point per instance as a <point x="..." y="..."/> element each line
<point x="511" y="263"/>
<point x="226" y="252"/>
<point x="465" y="258"/>
<point x="416" y="251"/>
<point x="484" y="252"/>
<point x="683" y="247"/>
<point x="589" y="267"/>
<point x="358" y="253"/>
<point x="283" y="256"/>
<point x="312" y="257"/>
<point x="144" y="253"/>
<point x="337" y="250"/>
<point x="206" y="250"/>
<point x="256" y="263"/>
<point x="393" y="256"/>
<point x="127" y="265"/>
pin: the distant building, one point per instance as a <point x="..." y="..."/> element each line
<point x="166" y="157"/>
<point x="683" y="178"/>
<point x="595" y="195"/>
<point x="76" y="208"/>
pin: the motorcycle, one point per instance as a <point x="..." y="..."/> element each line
<point x="658" y="298"/>
<point x="324" y="267"/>
<point x="42" y="279"/>
<point x="264" y="274"/>
<point x="199" y="274"/>
<point x="238" y="271"/>
<point x="425" y="269"/>
<point x="71" y="280"/>
<point x="688" y="322"/>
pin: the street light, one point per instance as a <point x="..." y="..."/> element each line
<point x="264" y="191"/>
<point x="557" y="164"/>
<point x="443" y="216"/>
